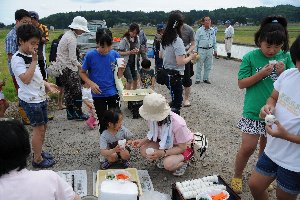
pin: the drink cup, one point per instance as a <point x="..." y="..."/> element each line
<point x="149" y="151"/>
<point x="122" y="143"/>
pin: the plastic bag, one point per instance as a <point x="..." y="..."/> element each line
<point x="154" y="195"/>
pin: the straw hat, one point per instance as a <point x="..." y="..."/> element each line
<point x="79" y="23"/>
<point x="155" y="107"/>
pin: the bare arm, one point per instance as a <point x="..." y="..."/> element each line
<point x="77" y="197"/>
<point x="182" y="60"/>
<point x="192" y="47"/>
<point x="94" y="87"/>
<point x="9" y="56"/>
<point x="282" y="133"/>
<point x="270" y="105"/>
<point x="27" y="76"/>
<point x="153" y="81"/>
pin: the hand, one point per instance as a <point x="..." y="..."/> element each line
<point x="280" y="132"/>
<point x="50" y="87"/>
<point x="118" y="149"/>
<point x="279" y="67"/>
<point x="266" y="110"/>
<point x="34" y="54"/>
<point x="95" y="88"/>
<point x="158" y="153"/>
<point x="266" y="70"/>
<point x="137" y="143"/>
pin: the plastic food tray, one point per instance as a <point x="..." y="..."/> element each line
<point x="134" y="178"/>
<point x="135" y="95"/>
<point x="176" y="194"/>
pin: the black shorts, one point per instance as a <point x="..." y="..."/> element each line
<point x="188" y="73"/>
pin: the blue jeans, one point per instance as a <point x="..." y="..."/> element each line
<point x="287" y="180"/>
<point x="36" y="112"/>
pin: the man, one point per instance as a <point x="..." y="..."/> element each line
<point x="143" y="42"/>
<point x="11" y="46"/>
<point x="229" y="32"/>
<point x="206" y="46"/>
<point x="188" y="37"/>
<point x="42" y="45"/>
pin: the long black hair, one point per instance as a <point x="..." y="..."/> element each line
<point x="174" y="24"/>
<point x="132" y="28"/>
<point x="104" y="36"/>
<point x="273" y="30"/>
<point x="14" y="146"/>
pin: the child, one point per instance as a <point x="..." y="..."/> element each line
<point x="32" y="90"/>
<point x="88" y="101"/>
<point x="98" y="72"/>
<point x="147" y="75"/>
<point x="52" y="58"/>
<point x="281" y="157"/>
<point x="257" y="75"/>
<point x="114" y="132"/>
<point x="3" y="103"/>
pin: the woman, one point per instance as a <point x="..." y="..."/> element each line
<point x="129" y="49"/>
<point x="174" y="58"/>
<point x="67" y="60"/>
<point x="169" y="139"/>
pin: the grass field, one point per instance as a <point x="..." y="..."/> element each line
<point x="243" y="35"/>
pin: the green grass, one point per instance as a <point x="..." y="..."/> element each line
<point x="243" y="35"/>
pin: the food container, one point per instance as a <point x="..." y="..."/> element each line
<point x="135" y="95"/>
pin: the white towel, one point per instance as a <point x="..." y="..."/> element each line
<point x="166" y="140"/>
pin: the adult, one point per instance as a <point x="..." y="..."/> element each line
<point x="143" y="44"/>
<point x="67" y="60"/>
<point x="188" y="38"/>
<point x="229" y="32"/>
<point x="43" y="41"/>
<point x="156" y="45"/>
<point x="16" y="182"/>
<point x="174" y="58"/>
<point x="129" y="49"/>
<point x="11" y="46"/>
<point x="206" y="46"/>
<point x="169" y="136"/>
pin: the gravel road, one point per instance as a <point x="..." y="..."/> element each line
<point x="215" y="111"/>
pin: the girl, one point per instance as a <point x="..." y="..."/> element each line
<point x="109" y="139"/>
<point x="88" y="101"/>
<point x="98" y="72"/>
<point x="257" y="74"/>
<point x="174" y="58"/>
<point x="281" y="157"/>
<point x="129" y="49"/>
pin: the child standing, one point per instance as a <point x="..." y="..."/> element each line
<point x="32" y="90"/>
<point x="147" y="75"/>
<point x="257" y="74"/>
<point x="3" y="103"/>
<point x="281" y="157"/>
<point x="114" y="132"/>
<point x="88" y="101"/>
<point x="98" y="72"/>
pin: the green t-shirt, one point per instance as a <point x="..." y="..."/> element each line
<point x="257" y="94"/>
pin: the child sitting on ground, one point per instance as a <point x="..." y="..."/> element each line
<point x="88" y="101"/>
<point x="147" y="75"/>
<point x="3" y="103"/>
<point x="111" y="138"/>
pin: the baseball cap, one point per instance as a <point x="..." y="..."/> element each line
<point x="34" y="15"/>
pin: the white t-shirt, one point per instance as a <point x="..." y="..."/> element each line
<point x="34" y="185"/>
<point x="287" y="111"/>
<point x="34" y="92"/>
<point x="87" y="94"/>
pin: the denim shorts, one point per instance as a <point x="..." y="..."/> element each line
<point x="36" y="112"/>
<point x="287" y="180"/>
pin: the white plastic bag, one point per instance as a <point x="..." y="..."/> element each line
<point x="154" y="195"/>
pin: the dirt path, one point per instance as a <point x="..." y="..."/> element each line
<point x="215" y="111"/>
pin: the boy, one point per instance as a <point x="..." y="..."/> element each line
<point x="3" y="103"/>
<point x="32" y="90"/>
<point x="147" y="75"/>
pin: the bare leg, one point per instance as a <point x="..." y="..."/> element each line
<point x="128" y="85"/>
<point x="258" y="185"/>
<point x="38" y="137"/>
<point x="173" y="162"/>
<point x="134" y="84"/>
<point x="187" y="92"/>
<point x="282" y="195"/>
<point x="60" y="98"/>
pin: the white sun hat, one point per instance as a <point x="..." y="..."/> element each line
<point x="155" y="107"/>
<point x="79" y="23"/>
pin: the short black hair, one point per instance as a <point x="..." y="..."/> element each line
<point x="146" y="64"/>
<point x="14" y="145"/>
<point x="27" y="31"/>
<point x="19" y="14"/>
<point x="111" y="116"/>
<point x="295" y="50"/>
<point x="273" y="30"/>
<point x="104" y="36"/>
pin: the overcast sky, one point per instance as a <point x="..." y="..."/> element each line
<point x="48" y="7"/>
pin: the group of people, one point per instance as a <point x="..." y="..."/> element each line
<point x="169" y="141"/>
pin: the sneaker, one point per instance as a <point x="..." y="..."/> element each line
<point x="160" y="164"/>
<point x="45" y="163"/>
<point x="207" y="82"/>
<point x="79" y="115"/>
<point x="181" y="170"/>
<point x="197" y="82"/>
<point x="236" y="185"/>
<point x="105" y="164"/>
<point x="126" y="163"/>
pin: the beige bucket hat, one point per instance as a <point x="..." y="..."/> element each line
<point x="79" y="23"/>
<point x="155" y="107"/>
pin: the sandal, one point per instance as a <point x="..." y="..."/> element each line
<point x="105" y="164"/>
<point x="45" y="163"/>
<point x="47" y="155"/>
<point x="236" y="185"/>
<point x="180" y="171"/>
